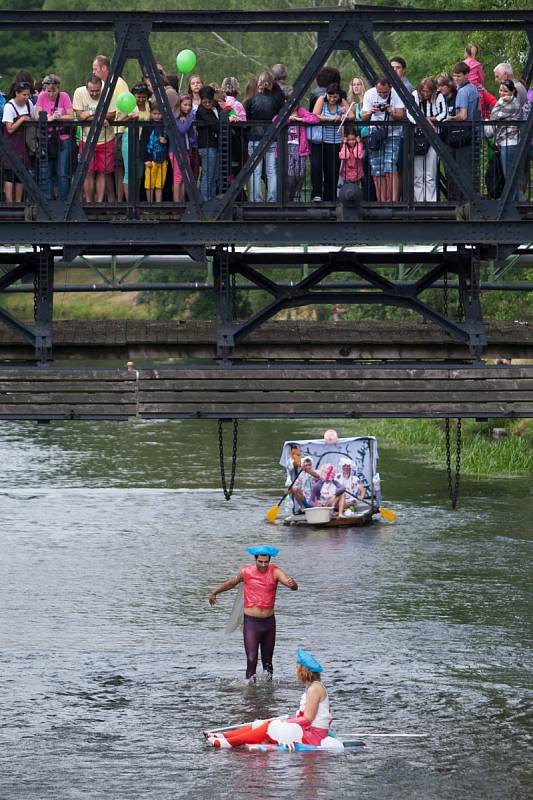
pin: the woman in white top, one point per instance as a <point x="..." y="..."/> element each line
<point x="433" y="106"/>
<point x="314" y="714"/>
<point x="17" y="111"/>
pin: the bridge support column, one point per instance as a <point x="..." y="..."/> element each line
<point x="224" y="292"/>
<point x="471" y="305"/>
<point x="43" y="304"/>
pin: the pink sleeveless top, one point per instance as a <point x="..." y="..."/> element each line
<point x="259" y="587"/>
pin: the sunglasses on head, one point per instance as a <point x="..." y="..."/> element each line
<point x="50" y="83"/>
<point x="22" y="86"/>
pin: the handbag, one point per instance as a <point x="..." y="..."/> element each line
<point x="30" y="135"/>
<point x="53" y="145"/>
<point x="494" y="177"/>
<point x="421" y="144"/>
<point x="377" y="138"/>
<point x="459" y="137"/>
<point x="53" y="138"/>
<point x="453" y="135"/>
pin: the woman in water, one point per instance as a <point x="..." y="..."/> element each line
<point x="311" y="725"/>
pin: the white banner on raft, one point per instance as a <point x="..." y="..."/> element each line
<point x="362" y="451"/>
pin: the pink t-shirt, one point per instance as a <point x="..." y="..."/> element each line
<point x="259" y="587"/>
<point x="45" y="102"/>
<point x="475" y="76"/>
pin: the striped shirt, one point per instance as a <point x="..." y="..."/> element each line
<point x="331" y="133"/>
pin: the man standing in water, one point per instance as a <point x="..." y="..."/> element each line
<point x="259" y="627"/>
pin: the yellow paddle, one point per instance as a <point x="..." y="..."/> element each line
<point x="386" y="513"/>
<point x="272" y="513"/>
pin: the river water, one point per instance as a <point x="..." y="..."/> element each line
<point x="112" y="662"/>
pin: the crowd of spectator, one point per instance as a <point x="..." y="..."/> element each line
<point x="364" y="136"/>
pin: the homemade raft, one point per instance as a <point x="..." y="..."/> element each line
<point x="358" y="519"/>
<point x="362" y="452"/>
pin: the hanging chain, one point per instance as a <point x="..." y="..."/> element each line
<point x="233" y="296"/>
<point x="227" y="491"/>
<point x="453" y="481"/>
<point x="460" y="308"/>
<point x="35" y="291"/>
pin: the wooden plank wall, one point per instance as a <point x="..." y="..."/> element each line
<point x="138" y="340"/>
<point x="265" y="392"/>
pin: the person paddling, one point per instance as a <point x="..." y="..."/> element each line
<point x="260" y="584"/>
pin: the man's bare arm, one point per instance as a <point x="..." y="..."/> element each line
<point x="286" y="580"/>
<point x="224" y="587"/>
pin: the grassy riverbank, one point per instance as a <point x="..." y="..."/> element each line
<point x="480" y="454"/>
<point x="83" y="305"/>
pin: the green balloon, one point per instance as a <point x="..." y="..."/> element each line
<point x="186" y="61"/>
<point x="126" y="102"/>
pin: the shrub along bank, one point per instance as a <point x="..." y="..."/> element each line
<point x="481" y="453"/>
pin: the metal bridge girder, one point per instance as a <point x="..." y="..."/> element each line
<point x="39" y="334"/>
<point x="404" y="295"/>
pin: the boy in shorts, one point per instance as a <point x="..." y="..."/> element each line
<point x="156" y="155"/>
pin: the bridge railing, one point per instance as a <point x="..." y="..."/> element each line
<point x="300" y="169"/>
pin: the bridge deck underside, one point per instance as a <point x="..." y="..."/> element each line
<point x="296" y="341"/>
<point x="319" y="391"/>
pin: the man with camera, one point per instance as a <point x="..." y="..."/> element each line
<point x="382" y="103"/>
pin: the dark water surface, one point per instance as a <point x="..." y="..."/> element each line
<point x="112" y="662"/>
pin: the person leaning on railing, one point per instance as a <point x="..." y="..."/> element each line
<point x="102" y="164"/>
<point x="462" y="131"/>
<point x="262" y="108"/>
<point x="330" y="108"/>
<point x="101" y="67"/>
<point x="506" y="137"/>
<point x="18" y="110"/>
<point x="207" y="117"/>
<point x="382" y="103"/>
<point x="356" y="93"/>
<point x="230" y="87"/>
<point x="57" y="106"/>
<point x="141" y="113"/>
<point x="433" y="106"/>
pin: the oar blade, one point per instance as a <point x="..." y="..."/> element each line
<point x="272" y="513"/>
<point x="387" y="514"/>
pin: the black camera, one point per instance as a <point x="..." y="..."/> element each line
<point x="382" y="106"/>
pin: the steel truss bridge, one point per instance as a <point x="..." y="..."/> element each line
<point x="453" y="238"/>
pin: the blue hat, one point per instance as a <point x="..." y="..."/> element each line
<point x="263" y="550"/>
<point x="307" y="660"/>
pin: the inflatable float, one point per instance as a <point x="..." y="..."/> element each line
<point x="273" y="735"/>
<point x="303" y="748"/>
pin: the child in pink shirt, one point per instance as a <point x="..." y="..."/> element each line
<point x="475" y="76"/>
<point x="351" y="158"/>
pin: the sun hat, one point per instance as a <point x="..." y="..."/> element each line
<point x="308" y="661"/>
<point x="263" y="550"/>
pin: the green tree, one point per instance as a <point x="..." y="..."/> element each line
<point x="21" y="50"/>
